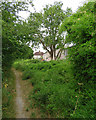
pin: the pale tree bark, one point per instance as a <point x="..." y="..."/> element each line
<point x="52" y="51"/>
<point x="49" y="51"/>
<point x="45" y="46"/>
<point x="60" y="54"/>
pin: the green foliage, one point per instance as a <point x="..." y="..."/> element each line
<point x="45" y="27"/>
<point x="61" y="88"/>
<point x="53" y="85"/>
<point x="56" y="91"/>
<point x="24" y="52"/>
<point x="33" y="115"/>
<point x="13" y="33"/>
<point x="8" y="94"/>
<point x="81" y="29"/>
<point x="86" y="102"/>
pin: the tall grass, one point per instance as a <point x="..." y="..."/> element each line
<point x="8" y="95"/>
<point x="56" y="91"/>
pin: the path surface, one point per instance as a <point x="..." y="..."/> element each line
<point x="20" y="113"/>
<point x="23" y="88"/>
<point x="20" y="100"/>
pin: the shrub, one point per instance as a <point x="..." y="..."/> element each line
<point x="8" y="94"/>
<point x="56" y="91"/>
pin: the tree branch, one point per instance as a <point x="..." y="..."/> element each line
<point x="58" y="53"/>
<point x="45" y="46"/>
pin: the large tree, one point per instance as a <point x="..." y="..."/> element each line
<point x="81" y="31"/>
<point x="46" y="27"/>
<point x="13" y="30"/>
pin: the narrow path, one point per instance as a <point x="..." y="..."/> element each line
<point x="20" y="101"/>
<point x="23" y="88"/>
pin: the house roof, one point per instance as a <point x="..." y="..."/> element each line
<point x="39" y="53"/>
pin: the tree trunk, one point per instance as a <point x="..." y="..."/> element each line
<point x="51" y="56"/>
<point x="60" y="54"/>
<point x="54" y="52"/>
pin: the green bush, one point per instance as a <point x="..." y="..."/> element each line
<point x="84" y="63"/>
<point x="8" y="94"/>
<point x="56" y="91"/>
<point x="81" y="27"/>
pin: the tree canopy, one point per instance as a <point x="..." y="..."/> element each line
<point x="46" y="27"/>
<point x="13" y="30"/>
<point x="81" y="31"/>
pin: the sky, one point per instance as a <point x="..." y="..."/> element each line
<point x="40" y="4"/>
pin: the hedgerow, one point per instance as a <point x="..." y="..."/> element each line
<point x="55" y="89"/>
<point x="80" y="28"/>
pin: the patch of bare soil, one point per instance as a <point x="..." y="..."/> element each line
<point x="23" y="89"/>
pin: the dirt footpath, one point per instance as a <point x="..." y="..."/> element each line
<point x="21" y="97"/>
<point x="23" y="88"/>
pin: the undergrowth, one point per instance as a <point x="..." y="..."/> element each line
<point x="56" y="91"/>
<point x="8" y="94"/>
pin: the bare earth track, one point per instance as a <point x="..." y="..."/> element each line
<point x="20" y="103"/>
<point x="23" y="88"/>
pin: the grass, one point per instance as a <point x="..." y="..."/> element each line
<point x="55" y="90"/>
<point x="52" y="84"/>
<point x="0" y="103"/>
<point x="8" y="95"/>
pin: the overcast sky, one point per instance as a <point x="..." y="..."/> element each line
<point x="40" y="4"/>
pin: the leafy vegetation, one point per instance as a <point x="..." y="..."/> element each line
<point x="13" y="30"/>
<point x="8" y="95"/>
<point x="46" y="28"/>
<point x="81" y="29"/>
<point x="55" y="89"/>
<point x="63" y="88"/>
<point x="13" y="47"/>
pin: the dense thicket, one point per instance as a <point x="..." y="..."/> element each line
<point x="13" y="47"/>
<point x="81" y="31"/>
<point x="55" y="91"/>
<point x="13" y="32"/>
<point x="61" y="88"/>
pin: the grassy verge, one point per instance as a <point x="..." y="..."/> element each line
<point x="0" y="103"/>
<point x="8" y="94"/>
<point x="55" y="91"/>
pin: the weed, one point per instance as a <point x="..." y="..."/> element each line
<point x="33" y="115"/>
<point x="55" y="89"/>
<point x="8" y="94"/>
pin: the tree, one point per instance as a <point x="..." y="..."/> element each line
<point x="13" y="30"/>
<point x="24" y="52"/>
<point x="47" y="28"/>
<point x="81" y="31"/>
